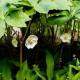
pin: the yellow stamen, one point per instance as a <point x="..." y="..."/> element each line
<point x="31" y="41"/>
<point x="65" y="37"/>
<point x="15" y="42"/>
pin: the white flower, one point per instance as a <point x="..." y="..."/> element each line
<point x="14" y="42"/>
<point x="66" y="37"/>
<point x="31" y="41"/>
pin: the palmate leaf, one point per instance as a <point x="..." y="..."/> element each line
<point x="45" y="5"/>
<point x="24" y="3"/>
<point x="63" y="4"/>
<point x="17" y="19"/>
<point x="3" y="10"/>
<point x="2" y="27"/>
<point x="4" y="2"/>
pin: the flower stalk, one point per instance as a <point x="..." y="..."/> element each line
<point x="22" y="40"/>
<point x="20" y="55"/>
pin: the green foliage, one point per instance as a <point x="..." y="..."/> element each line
<point x="63" y="5"/>
<point x="77" y="75"/>
<point x="60" y="20"/>
<point x="40" y="75"/>
<point x="50" y="65"/>
<point x="17" y="19"/>
<point x="25" y="73"/>
<point x="16" y="12"/>
<point x="30" y="11"/>
<point x="21" y="75"/>
<point x="6" y="72"/>
<point x="34" y="77"/>
<point x="45" y="5"/>
<point x="2" y="27"/>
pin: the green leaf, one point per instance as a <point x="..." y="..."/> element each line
<point x="62" y="71"/>
<point x="26" y="3"/>
<point x="63" y="13"/>
<point x="63" y="77"/>
<point x="77" y="62"/>
<point x="63" y="5"/>
<point x="60" y="20"/>
<point x="57" y="77"/>
<point x="21" y="75"/>
<point x="77" y="16"/>
<point x="1" y="13"/>
<point x="3" y="10"/>
<point x="30" y="11"/>
<point x="45" y="5"/>
<point x="3" y="2"/>
<point x="0" y="76"/>
<point x="76" y="76"/>
<point x="6" y="72"/>
<point x="17" y="19"/>
<point x="50" y="65"/>
<point x="2" y="27"/>
<point x="29" y="74"/>
<point x="34" y="77"/>
<point x="56" y="56"/>
<point x="40" y="75"/>
<point x="16" y="63"/>
<point x="33" y="2"/>
<point x="13" y="8"/>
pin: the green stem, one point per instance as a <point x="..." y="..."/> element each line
<point x="70" y="72"/>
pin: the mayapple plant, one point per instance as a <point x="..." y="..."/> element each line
<point x="12" y="14"/>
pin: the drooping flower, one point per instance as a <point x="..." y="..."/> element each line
<point x="14" y="42"/>
<point x="66" y="37"/>
<point x="31" y="41"/>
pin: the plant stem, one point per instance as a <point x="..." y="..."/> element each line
<point x="20" y="55"/>
<point x="27" y="30"/>
<point x="60" y="57"/>
<point x="70" y="72"/>
<point x="16" y="35"/>
<point x="21" y="41"/>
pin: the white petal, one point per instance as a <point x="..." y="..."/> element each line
<point x="14" y="39"/>
<point x="15" y="45"/>
<point x="30" y="45"/>
<point x="33" y="37"/>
